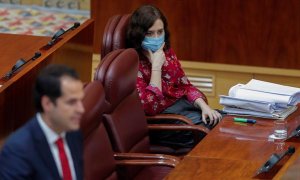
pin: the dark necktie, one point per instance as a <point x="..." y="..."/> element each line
<point x="63" y="160"/>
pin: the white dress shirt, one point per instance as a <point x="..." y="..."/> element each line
<point x="52" y="137"/>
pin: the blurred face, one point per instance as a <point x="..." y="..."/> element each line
<point x="66" y="112"/>
<point x="156" y="30"/>
<point x="154" y="37"/>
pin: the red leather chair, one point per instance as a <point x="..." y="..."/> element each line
<point x="114" y="34"/>
<point x="125" y="118"/>
<point x="100" y="162"/>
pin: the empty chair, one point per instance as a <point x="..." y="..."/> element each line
<point x="100" y="162"/>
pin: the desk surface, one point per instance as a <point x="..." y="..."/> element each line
<point x="290" y="170"/>
<point x="16" y="46"/>
<point x="236" y="150"/>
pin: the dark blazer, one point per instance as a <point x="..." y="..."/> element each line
<point x="27" y="155"/>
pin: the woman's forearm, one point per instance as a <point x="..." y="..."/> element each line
<point x="156" y="78"/>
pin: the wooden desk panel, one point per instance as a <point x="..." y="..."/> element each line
<point x="240" y="140"/>
<point x="236" y="150"/>
<point x="16" y="46"/>
<point x="241" y="32"/>
<point x="75" y="49"/>
<point x="16" y="102"/>
<point x="210" y="168"/>
<point x="290" y="170"/>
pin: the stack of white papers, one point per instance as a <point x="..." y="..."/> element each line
<point x="262" y="99"/>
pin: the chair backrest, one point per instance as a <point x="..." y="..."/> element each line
<point x="125" y="119"/>
<point x="95" y="105"/>
<point x="114" y="36"/>
<point x="99" y="162"/>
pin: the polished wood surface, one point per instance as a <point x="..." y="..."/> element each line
<point x="76" y="50"/>
<point x="241" y="32"/>
<point x="18" y="46"/>
<point x="210" y="168"/>
<point x="15" y="93"/>
<point x="237" y="150"/>
<point x="16" y="102"/>
<point x="290" y="170"/>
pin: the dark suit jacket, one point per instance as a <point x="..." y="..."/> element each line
<point x="27" y="155"/>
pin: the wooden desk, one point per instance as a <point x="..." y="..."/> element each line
<point x="290" y="170"/>
<point x="236" y="150"/>
<point x="16" y="103"/>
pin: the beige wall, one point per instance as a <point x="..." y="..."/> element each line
<point x="216" y="79"/>
<point x="219" y="78"/>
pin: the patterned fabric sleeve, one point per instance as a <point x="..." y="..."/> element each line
<point x="151" y="97"/>
<point x="192" y="93"/>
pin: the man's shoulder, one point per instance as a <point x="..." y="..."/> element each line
<point x="20" y="156"/>
<point x="22" y="136"/>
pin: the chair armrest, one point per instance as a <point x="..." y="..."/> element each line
<point x="145" y="163"/>
<point x="148" y="159"/>
<point x="122" y="156"/>
<point x="177" y="127"/>
<point x="188" y="126"/>
<point x="174" y="117"/>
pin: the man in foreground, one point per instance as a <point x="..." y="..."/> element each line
<point x="49" y="146"/>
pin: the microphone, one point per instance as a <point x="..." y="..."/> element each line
<point x="76" y="25"/>
<point x="36" y="55"/>
<point x="21" y="62"/>
<point x="60" y="32"/>
<point x="275" y="158"/>
<point x="296" y="132"/>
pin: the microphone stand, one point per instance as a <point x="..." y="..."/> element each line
<point x="20" y="63"/>
<point x="60" y="32"/>
<point x="295" y="133"/>
<point x="274" y="159"/>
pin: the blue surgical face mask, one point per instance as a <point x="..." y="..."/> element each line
<point x="153" y="43"/>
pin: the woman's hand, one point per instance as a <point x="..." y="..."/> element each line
<point x="207" y="113"/>
<point x="158" y="58"/>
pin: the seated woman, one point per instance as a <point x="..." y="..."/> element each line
<point x="161" y="82"/>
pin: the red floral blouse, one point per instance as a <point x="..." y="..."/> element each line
<point x="175" y="85"/>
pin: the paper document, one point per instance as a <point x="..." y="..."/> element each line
<point x="261" y="99"/>
<point x="269" y="92"/>
<point x="245" y="112"/>
<point x="261" y="106"/>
